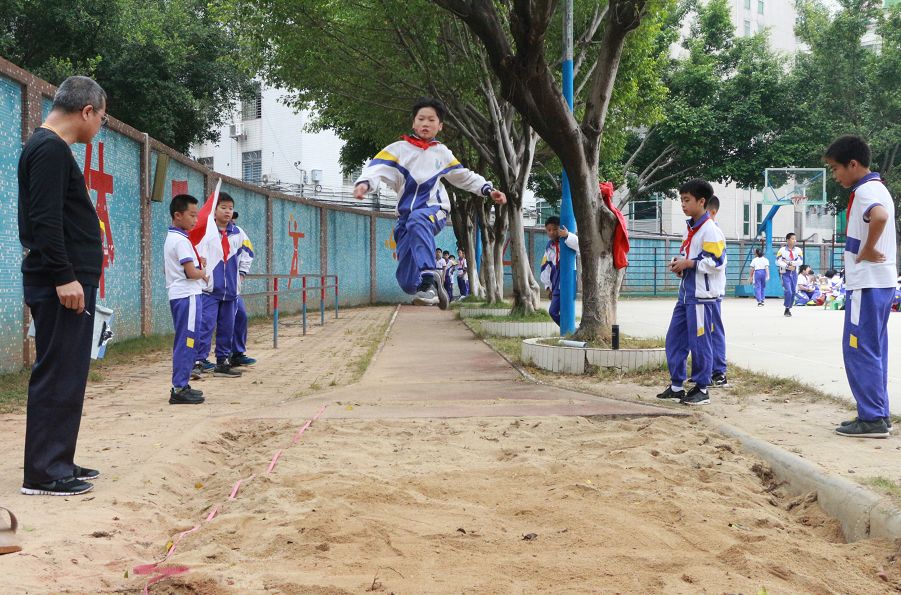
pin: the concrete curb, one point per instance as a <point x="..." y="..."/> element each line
<point x="862" y="513"/>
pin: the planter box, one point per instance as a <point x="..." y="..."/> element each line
<point x="518" y="329"/>
<point x="470" y="312"/>
<point x="578" y="360"/>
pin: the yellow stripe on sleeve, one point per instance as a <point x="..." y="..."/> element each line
<point x="715" y="248"/>
<point x="386" y="156"/>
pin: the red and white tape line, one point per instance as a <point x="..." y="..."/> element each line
<point x="160" y="574"/>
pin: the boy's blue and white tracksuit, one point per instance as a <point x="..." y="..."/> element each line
<point x="240" y="341"/>
<point x="760" y="265"/>
<point x="696" y="309"/>
<point x="462" y="278"/>
<point x="184" y="303"/>
<point x="415" y="169"/>
<point x="550" y="271"/>
<point x="869" y="290"/>
<point x="221" y="294"/>
<point x="785" y="257"/>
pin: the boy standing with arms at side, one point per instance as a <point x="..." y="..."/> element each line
<point x="239" y="356"/>
<point x="702" y="266"/>
<point x="184" y="282"/>
<point x="788" y="259"/>
<point x="870" y="279"/>
<point x="414" y="167"/>
<point x="550" y="263"/>
<point x="462" y="273"/>
<point x="717" y="329"/>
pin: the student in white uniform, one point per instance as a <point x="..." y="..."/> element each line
<point x="788" y="259"/>
<point x="760" y="274"/>
<point x="870" y="280"/>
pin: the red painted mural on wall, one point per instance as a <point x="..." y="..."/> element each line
<point x="295" y="237"/>
<point x="101" y="182"/>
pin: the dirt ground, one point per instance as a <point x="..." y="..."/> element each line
<point x="485" y="504"/>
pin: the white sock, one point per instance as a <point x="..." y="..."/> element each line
<point x="675" y="388"/>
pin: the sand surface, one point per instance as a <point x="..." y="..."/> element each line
<point x="609" y="505"/>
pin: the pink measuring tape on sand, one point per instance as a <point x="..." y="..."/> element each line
<point x="161" y="574"/>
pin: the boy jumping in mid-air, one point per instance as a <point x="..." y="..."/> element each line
<point x="870" y="279"/>
<point x="184" y="282"/>
<point x="414" y="167"/>
<point x="550" y="263"/>
<point x="702" y="266"/>
<point x="788" y="259"/>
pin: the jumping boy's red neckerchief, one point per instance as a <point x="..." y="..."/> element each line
<point x="418" y="142"/>
<point x="870" y="177"/>
<point x="692" y="231"/>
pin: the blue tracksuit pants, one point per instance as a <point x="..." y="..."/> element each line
<point x="240" y="344"/>
<point x="554" y="308"/>
<point x="789" y="286"/>
<point x="760" y="285"/>
<point x="718" y="338"/>
<point x="218" y="316"/>
<point x="865" y="349"/>
<point x="689" y="333"/>
<point x="187" y="319"/>
<point x="415" y="236"/>
<point x="463" y="286"/>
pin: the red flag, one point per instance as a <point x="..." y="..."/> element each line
<point x="205" y="230"/>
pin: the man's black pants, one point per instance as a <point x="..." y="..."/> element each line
<point x="58" y="379"/>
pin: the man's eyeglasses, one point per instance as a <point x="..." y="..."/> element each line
<point x="104" y="120"/>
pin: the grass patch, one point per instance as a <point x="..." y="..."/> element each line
<point x="366" y="359"/>
<point x="884" y="485"/>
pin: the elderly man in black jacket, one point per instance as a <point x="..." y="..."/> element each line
<point x="61" y="231"/>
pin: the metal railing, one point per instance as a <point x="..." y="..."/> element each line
<point x="275" y="291"/>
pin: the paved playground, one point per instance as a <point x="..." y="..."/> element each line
<point x="440" y="470"/>
<point x="806" y="346"/>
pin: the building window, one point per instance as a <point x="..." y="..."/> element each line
<point x="252" y="166"/>
<point x="205" y="161"/>
<point x="759" y="6"/>
<point x="747" y="4"/>
<point x="747" y="28"/>
<point x="644" y="210"/>
<point x="746" y="220"/>
<point x="252" y="108"/>
<point x="759" y="219"/>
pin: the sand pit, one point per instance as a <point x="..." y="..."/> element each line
<point x="565" y="505"/>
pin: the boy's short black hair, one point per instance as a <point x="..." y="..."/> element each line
<point x="758" y="252"/>
<point x="830" y="273"/>
<point x="713" y="204"/>
<point x="226" y="197"/>
<point x="846" y="148"/>
<point x="432" y="103"/>
<point x="552" y="220"/>
<point x="180" y="204"/>
<point x="698" y="188"/>
<point x="803" y="268"/>
<point x="789" y="235"/>
<point x="446" y="252"/>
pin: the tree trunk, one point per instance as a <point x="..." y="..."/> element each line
<point x="526" y="292"/>
<point x="487" y="268"/>
<point x="475" y="285"/>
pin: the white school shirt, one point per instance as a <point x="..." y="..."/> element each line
<point x="178" y="251"/>
<point x="868" y="193"/>
<point x="785" y="257"/>
<point x="760" y="263"/>
<point x="441" y="264"/>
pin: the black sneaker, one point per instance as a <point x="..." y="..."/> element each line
<point x="887" y="420"/>
<point x="788" y="312"/>
<point x="671" y="395"/>
<point x="759" y="304"/>
<point x="185" y="396"/>
<point x="696" y="397"/>
<point x="864" y="429"/>
<point x="61" y="487"/>
<point x="224" y="370"/>
<point x="426" y="294"/>
<point x="205" y="365"/>
<point x="443" y="300"/>
<point x="241" y="359"/>
<point x="85" y="474"/>
<point x="197" y="372"/>
<point x="719" y="381"/>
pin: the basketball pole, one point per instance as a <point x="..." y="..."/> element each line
<point x="567" y="217"/>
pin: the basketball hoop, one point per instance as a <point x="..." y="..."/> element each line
<point x="800" y="202"/>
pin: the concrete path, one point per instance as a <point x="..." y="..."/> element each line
<point x="432" y="366"/>
<point x="806" y="346"/>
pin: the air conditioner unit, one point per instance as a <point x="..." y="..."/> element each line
<point x="236" y="131"/>
<point x="316" y="175"/>
<point x="265" y="179"/>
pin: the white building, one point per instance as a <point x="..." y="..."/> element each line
<point x="267" y="142"/>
